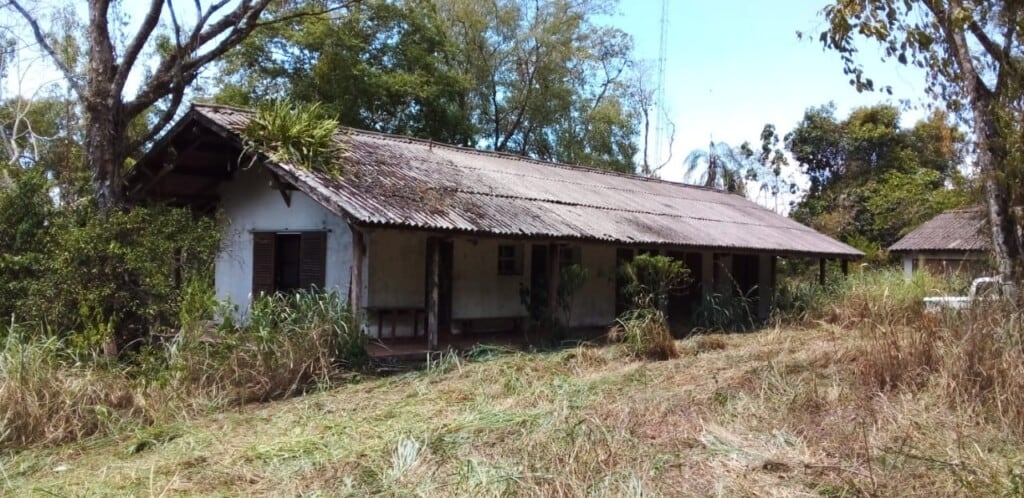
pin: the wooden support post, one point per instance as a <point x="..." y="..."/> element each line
<point x="765" y="291"/>
<point x="822" y="262"/>
<point x="846" y="267"/>
<point x="433" y="290"/>
<point x="707" y="273"/>
<point x="554" y="275"/>
<point x="355" y="285"/>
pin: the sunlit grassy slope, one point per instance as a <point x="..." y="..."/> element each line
<point x="777" y="412"/>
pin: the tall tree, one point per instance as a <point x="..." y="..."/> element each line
<point x="971" y="52"/>
<point x="386" y="67"/>
<point x="180" y="52"/>
<point x="540" y="79"/>
<point x="871" y="181"/>
<point x="720" y="166"/>
<point x="547" y="80"/>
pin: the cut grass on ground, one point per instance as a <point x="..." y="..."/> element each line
<point x="777" y="412"/>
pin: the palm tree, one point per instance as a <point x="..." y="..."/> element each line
<point x="721" y="166"/>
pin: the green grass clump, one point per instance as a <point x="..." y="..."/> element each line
<point x="296" y="134"/>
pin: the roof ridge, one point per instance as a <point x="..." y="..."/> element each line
<point x="493" y="153"/>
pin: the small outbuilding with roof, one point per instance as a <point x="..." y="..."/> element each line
<point x="953" y="242"/>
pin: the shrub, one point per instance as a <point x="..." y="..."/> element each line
<point x="651" y="278"/>
<point x="645" y="333"/>
<point x="120" y="276"/>
<point x="644" y="328"/>
<point x="728" y="312"/>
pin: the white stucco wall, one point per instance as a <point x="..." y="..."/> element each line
<point x="397" y="265"/>
<point x="477" y="289"/>
<point x="594" y="304"/>
<point x="249" y="205"/>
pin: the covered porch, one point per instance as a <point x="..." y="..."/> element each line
<point x="423" y="291"/>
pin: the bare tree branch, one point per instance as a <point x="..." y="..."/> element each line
<point x="37" y="32"/>
<point x="131" y="53"/>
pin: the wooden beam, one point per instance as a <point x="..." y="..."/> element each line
<point x="554" y="275"/>
<point x="821" y="270"/>
<point x="765" y="290"/>
<point x="433" y="290"/>
<point x="707" y="273"/>
<point x="355" y="286"/>
<point x="846" y="267"/>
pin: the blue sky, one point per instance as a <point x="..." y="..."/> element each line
<point x="734" y="65"/>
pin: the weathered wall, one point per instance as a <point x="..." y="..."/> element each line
<point x="397" y="274"/>
<point x="250" y="205"/>
<point x="594" y="304"/>
<point x="477" y="289"/>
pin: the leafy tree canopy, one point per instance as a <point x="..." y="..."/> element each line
<point x="872" y="181"/>
<point x="540" y="79"/>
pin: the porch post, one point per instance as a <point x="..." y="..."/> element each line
<point x="355" y="286"/>
<point x="554" y="275"/>
<point x="433" y="292"/>
<point x="765" y="268"/>
<point x="821" y="270"/>
<point x="846" y="267"/>
<point x="707" y="273"/>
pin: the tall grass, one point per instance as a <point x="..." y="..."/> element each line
<point x="861" y="296"/>
<point x="289" y="344"/>
<point x="46" y="397"/>
<point x="973" y="358"/>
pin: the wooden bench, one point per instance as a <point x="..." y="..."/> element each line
<point x="383" y="315"/>
<point x="467" y="324"/>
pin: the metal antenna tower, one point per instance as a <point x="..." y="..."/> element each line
<point x="660" y="129"/>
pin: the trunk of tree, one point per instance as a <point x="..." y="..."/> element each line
<point x="103" y="158"/>
<point x="1002" y="224"/>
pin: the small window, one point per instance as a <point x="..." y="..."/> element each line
<point x="510" y="259"/>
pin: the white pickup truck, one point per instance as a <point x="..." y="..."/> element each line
<point x="984" y="288"/>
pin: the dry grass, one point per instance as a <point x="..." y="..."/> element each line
<point x="778" y="413"/>
<point x="290" y="345"/>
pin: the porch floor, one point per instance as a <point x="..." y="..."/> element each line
<point x="416" y="348"/>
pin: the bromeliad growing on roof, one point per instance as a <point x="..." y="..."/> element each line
<point x="297" y="134"/>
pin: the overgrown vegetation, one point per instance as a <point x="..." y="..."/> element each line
<point x="644" y="327"/>
<point x="850" y="408"/>
<point x="297" y="134"/>
<point x="290" y="344"/>
<point x="97" y="280"/>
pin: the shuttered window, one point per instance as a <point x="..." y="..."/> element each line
<point x="312" y="259"/>
<point x="278" y="265"/>
<point x="263" y="262"/>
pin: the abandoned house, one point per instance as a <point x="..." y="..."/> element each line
<point x="953" y="242"/>
<point x="436" y="243"/>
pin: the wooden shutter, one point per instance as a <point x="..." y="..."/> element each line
<point x="263" y="245"/>
<point x="312" y="259"/>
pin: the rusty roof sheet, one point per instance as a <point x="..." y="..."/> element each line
<point x="956" y="230"/>
<point x="399" y="181"/>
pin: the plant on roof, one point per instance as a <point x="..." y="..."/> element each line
<point x="297" y="134"/>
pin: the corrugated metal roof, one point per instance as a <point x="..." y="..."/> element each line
<point x="956" y="230"/>
<point x="398" y="181"/>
